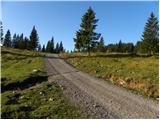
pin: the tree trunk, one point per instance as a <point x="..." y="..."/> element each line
<point x="89" y="52"/>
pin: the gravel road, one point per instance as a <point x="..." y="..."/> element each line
<point x="96" y="96"/>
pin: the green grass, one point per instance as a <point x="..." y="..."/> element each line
<point x="139" y="74"/>
<point x="18" y="65"/>
<point x="44" y="101"/>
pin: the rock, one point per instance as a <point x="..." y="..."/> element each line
<point x="51" y="99"/>
<point x="21" y="97"/>
<point x="122" y="82"/>
<point x="95" y="105"/>
<point x="13" y="92"/>
<point x="34" y="70"/>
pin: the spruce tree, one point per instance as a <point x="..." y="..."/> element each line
<point x="34" y="39"/>
<point x="7" y="39"/>
<point x="57" y="48"/>
<point x="14" y="41"/>
<point x="48" y="46"/>
<point x="1" y="32"/>
<point x="120" y="47"/>
<point x="39" y="47"/>
<point x="150" y="37"/>
<point x="21" y="42"/>
<point x="17" y="39"/>
<point x="26" y="43"/>
<point x="61" y="47"/>
<point x="52" y="45"/>
<point x="86" y="34"/>
<point x="43" y="48"/>
<point x="79" y="44"/>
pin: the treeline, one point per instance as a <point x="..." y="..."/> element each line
<point x="31" y="43"/>
<point x="87" y="40"/>
<point x="120" y="47"/>
<point x="51" y="48"/>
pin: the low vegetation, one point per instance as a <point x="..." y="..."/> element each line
<point x="23" y="97"/>
<point x="19" y="65"/>
<point x="139" y="74"/>
<point x="46" y="101"/>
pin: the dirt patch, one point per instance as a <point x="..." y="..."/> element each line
<point x="142" y="86"/>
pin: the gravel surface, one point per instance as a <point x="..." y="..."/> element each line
<point x="99" y="98"/>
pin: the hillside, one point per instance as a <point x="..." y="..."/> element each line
<point x="137" y="73"/>
<point x="26" y="92"/>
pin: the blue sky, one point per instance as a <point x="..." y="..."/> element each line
<point x="117" y="20"/>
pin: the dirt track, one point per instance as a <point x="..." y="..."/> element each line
<point x="98" y="97"/>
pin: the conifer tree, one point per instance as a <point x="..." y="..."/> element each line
<point x="61" y="47"/>
<point x="79" y="44"/>
<point x="39" y="47"/>
<point x="86" y="35"/>
<point x="26" y="43"/>
<point x="48" y="46"/>
<point x="1" y="32"/>
<point x="17" y="39"/>
<point x="21" y="42"/>
<point x="14" y="41"/>
<point x="120" y="47"/>
<point x="150" y="37"/>
<point x="43" y="48"/>
<point x="7" y="39"/>
<point x="52" y="45"/>
<point x="34" y="40"/>
<point x="57" y="48"/>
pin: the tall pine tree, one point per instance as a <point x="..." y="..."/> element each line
<point x="26" y="43"/>
<point x="52" y="45"/>
<point x="34" y="40"/>
<point x="61" y="49"/>
<point x="48" y="46"/>
<point x="14" y="41"/>
<point x="43" y="48"/>
<point x="21" y="42"/>
<point x="120" y="46"/>
<point x="7" y="39"/>
<point x="1" y="32"/>
<point x="57" y="48"/>
<point x="79" y="43"/>
<point x="150" y="37"/>
<point x="86" y="34"/>
<point x="39" y="47"/>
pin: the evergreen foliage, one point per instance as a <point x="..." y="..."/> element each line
<point x="150" y="37"/>
<point x="7" y="39"/>
<point x="86" y="38"/>
<point x="43" y="48"/>
<point x="34" y="40"/>
<point x="1" y="32"/>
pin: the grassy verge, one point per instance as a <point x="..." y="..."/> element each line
<point x="46" y="101"/>
<point x="19" y="65"/>
<point x="139" y="74"/>
<point x="19" y="70"/>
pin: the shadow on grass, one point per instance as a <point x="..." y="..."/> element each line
<point x="31" y="81"/>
